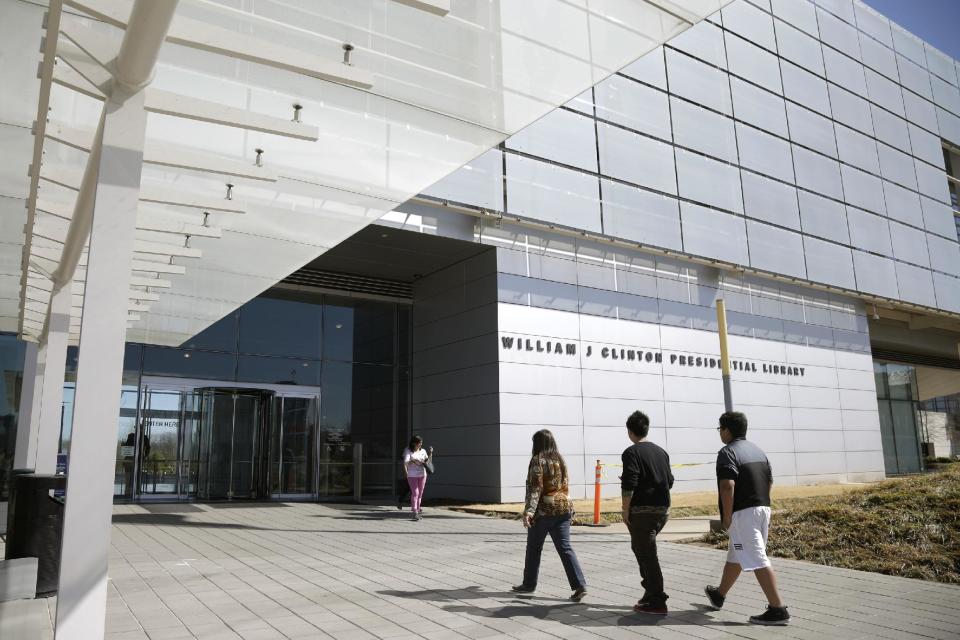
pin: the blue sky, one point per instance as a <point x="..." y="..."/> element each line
<point x="936" y="21"/>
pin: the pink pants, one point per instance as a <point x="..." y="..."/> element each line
<point x="417" y="483"/>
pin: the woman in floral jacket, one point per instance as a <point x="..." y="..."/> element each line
<point x="549" y="510"/>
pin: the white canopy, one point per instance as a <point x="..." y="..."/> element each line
<point x="279" y="129"/>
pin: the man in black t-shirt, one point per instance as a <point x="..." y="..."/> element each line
<point x="744" y="478"/>
<point x="645" y="485"/>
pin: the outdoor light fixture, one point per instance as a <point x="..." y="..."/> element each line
<point x="229" y="191"/>
<point x="296" y="112"/>
<point x="259" y="160"/>
<point x="347" y="53"/>
<point x="876" y="316"/>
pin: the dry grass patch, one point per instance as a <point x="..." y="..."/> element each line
<point x="907" y="527"/>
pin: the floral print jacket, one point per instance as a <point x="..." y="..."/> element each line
<point x="548" y="490"/>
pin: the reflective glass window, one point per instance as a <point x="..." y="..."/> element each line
<point x="703" y="40"/>
<point x="811" y="130"/>
<point x="358" y="330"/>
<point x="478" y="183"/>
<point x="274" y="370"/>
<point x="878" y="57"/>
<point x="915" y="285"/>
<point x="862" y="189"/>
<point x="185" y="363"/>
<point x="805" y="88"/>
<point x="750" y="22"/>
<point x="838" y="34"/>
<point x="759" y="107"/>
<point x="698" y="81"/>
<point x="765" y="153"/>
<point x="902" y="204"/>
<point x="651" y="69"/>
<point x="884" y="92"/>
<point x="799" y="48"/>
<point x="634" y="158"/>
<point x="909" y="244"/>
<point x="844" y="71"/>
<point x="714" y="234"/>
<point x="829" y="263"/>
<point x="702" y="130"/>
<point x="921" y="112"/>
<point x="709" y="181"/>
<point x="857" y="149"/>
<point x="914" y="77"/>
<point x="643" y="216"/>
<point x="944" y="254"/>
<point x="562" y="136"/>
<point x="776" y="250"/>
<point x="753" y="63"/>
<point x="634" y="105"/>
<point x="875" y="274"/>
<point x="802" y="15"/>
<point x="823" y="217"/>
<point x="850" y="109"/>
<point x="869" y="231"/>
<point x="548" y="192"/>
<point x="282" y="326"/>
<point x="769" y="200"/>
<point x="873" y="23"/>
<point x="891" y="129"/>
<point x="817" y="173"/>
<point x="220" y="336"/>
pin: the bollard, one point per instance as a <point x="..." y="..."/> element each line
<point x="596" y="495"/>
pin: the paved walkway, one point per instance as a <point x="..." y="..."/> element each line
<point x="347" y="572"/>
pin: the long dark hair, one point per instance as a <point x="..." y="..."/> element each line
<point x="413" y="442"/>
<point x="545" y="446"/>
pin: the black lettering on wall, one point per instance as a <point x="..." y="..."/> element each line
<point x="506" y="342"/>
<point x="572" y="350"/>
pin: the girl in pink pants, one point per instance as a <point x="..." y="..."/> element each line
<point x="414" y="459"/>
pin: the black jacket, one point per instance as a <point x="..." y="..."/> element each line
<point x="647" y="475"/>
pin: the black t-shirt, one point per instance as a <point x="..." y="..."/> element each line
<point x="646" y="473"/>
<point x="745" y="464"/>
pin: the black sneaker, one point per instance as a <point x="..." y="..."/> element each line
<point x="713" y="594"/>
<point x="522" y="588"/>
<point x="773" y="616"/>
<point x="579" y="594"/>
<point x="650" y="608"/>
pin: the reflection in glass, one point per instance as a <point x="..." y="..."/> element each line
<point x="280" y="327"/>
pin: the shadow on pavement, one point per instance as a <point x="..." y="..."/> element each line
<point x="582" y="614"/>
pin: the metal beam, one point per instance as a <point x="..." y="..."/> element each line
<point x="174" y="104"/>
<point x="436" y="7"/>
<point x="54" y="12"/>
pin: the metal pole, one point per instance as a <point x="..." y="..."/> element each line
<point x="358" y="471"/>
<point x="596" y="493"/>
<point x="54" y="371"/>
<point x="82" y="597"/>
<point x="724" y="355"/>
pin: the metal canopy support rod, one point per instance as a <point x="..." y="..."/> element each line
<point x="55" y="339"/>
<point x="82" y="594"/>
<point x="29" y="415"/>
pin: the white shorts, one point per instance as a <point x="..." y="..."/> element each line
<point x="748" y="538"/>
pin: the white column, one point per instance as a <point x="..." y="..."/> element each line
<point x="82" y="597"/>
<point x="54" y="370"/>
<point x="28" y="417"/>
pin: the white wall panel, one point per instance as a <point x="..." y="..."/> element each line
<point x="703" y="40"/>
<point x="760" y="107"/>
<point x="817" y="419"/>
<point x="650" y="69"/>
<point x="772" y="201"/>
<point x="806" y="88"/>
<point x="708" y="181"/>
<point x="634" y="158"/>
<point x="702" y="130"/>
<point x="634" y="105"/>
<point x="622" y="385"/>
<point x="698" y="82"/>
<point x="752" y="63"/>
<point x="750" y="22"/>
<point x="799" y="48"/>
<point x="820" y="463"/>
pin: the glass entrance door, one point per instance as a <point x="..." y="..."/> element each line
<point x="231" y="429"/>
<point x="293" y="447"/>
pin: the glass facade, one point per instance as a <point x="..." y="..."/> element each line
<point x="897" y="402"/>
<point x="11" y="381"/>
<point x="269" y="402"/>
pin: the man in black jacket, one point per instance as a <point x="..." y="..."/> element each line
<point x="646" y="484"/>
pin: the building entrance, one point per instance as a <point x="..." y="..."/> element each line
<point x="223" y="443"/>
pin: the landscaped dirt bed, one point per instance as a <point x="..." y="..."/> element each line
<point x="906" y="527"/>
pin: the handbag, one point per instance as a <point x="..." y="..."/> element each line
<point x="428" y="465"/>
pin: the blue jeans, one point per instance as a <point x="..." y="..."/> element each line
<point x="559" y="529"/>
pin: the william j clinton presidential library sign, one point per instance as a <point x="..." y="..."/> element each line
<point x="566" y="349"/>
